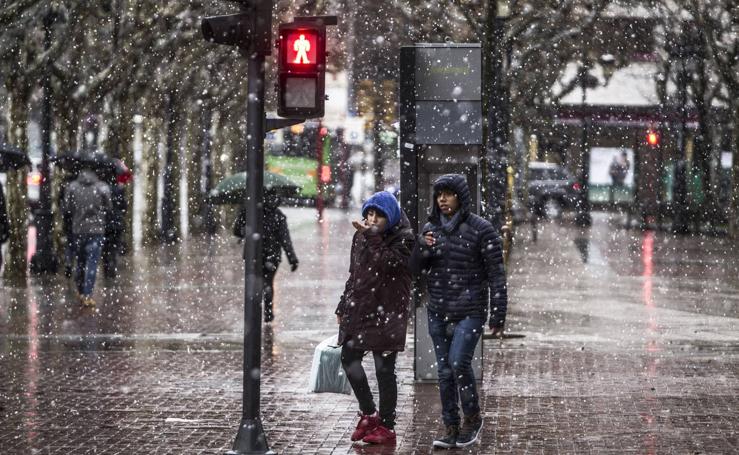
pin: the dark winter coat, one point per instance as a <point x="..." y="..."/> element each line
<point x="375" y="304"/>
<point x="116" y="221"/>
<point x="276" y="236"/>
<point x="465" y="265"/>
<point x="4" y="221"/>
<point x="88" y="200"/>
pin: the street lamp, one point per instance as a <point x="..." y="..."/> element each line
<point x="587" y="81"/>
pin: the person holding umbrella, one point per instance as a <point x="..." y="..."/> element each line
<point x="4" y="224"/>
<point x="89" y="201"/>
<point x="10" y="158"/>
<point x="276" y="238"/>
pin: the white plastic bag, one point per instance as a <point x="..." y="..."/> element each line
<point x="326" y="373"/>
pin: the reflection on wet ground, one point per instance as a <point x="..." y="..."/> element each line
<point x="631" y="345"/>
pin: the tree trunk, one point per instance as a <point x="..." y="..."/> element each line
<point x="16" y="265"/>
<point x="734" y="201"/>
<point x="151" y="193"/>
<point x="196" y="135"/>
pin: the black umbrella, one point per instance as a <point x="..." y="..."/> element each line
<point x="12" y="158"/>
<point x="105" y="167"/>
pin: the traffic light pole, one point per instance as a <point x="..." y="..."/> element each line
<point x="251" y="438"/>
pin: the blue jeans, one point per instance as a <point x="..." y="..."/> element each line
<point x="454" y="345"/>
<point x="88" y="256"/>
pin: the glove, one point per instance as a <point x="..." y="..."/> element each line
<point x="497" y="332"/>
<point x="294" y="266"/>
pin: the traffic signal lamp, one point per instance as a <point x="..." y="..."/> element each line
<point x="301" y="89"/>
<point x="653" y="138"/>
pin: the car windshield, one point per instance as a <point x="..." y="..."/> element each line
<point x="548" y="174"/>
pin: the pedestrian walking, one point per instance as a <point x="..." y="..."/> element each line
<point x="70" y="248"/>
<point x="4" y="224"/>
<point x="88" y="201"/>
<point x="461" y="256"/>
<point x="115" y="223"/>
<point x="276" y="238"/>
<point x="373" y="312"/>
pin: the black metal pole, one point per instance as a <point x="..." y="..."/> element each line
<point x="251" y="438"/>
<point x="582" y="217"/>
<point x="680" y="197"/>
<point x="43" y="260"/>
<point x="495" y="159"/>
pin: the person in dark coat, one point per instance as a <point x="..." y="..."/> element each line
<point x="88" y="199"/>
<point x="114" y="228"/>
<point x="275" y="239"/>
<point x="4" y="223"/>
<point x="373" y="311"/>
<point x="70" y="249"/>
<point x="461" y="256"/>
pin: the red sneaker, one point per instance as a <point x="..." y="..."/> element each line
<point x="366" y="424"/>
<point x="380" y="435"/>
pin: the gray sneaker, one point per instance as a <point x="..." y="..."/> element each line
<point x="470" y="430"/>
<point x="449" y="438"/>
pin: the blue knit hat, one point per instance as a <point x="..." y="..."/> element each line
<point x="386" y="203"/>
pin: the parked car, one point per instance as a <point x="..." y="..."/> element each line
<point x="552" y="190"/>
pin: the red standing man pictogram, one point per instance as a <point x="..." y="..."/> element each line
<point x="301" y="46"/>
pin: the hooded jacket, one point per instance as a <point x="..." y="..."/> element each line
<point x="464" y="268"/>
<point x="88" y="201"/>
<point x="276" y="235"/>
<point x="374" y="305"/>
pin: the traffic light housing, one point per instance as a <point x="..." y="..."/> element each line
<point x="250" y="30"/>
<point x="301" y="87"/>
<point x="653" y="138"/>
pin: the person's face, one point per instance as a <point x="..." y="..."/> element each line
<point x="448" y="202"/>
<point x="376" y="219"/>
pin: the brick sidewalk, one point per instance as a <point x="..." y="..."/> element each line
<point x="622" y="353"/>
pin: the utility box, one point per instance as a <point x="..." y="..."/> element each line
<point x="440" y="133"/>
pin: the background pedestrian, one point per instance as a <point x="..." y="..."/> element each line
<point x="4" y="224"/>
<point x="276" y="238"/>
<point x="88" y="200"/>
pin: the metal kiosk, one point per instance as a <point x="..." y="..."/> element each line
<point x="440" y="133"/>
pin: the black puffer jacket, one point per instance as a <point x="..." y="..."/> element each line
<point x="375" y="304"/>
<point x="465" y="265"/>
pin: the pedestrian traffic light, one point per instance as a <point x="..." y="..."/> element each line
<point x="653" y="138"/>
<point x="301" y="90"/>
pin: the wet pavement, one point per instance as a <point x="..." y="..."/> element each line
<point x="630" y="345"/>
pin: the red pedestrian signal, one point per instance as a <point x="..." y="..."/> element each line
<point x="652" y="138"/>
<point x="302" y="68"/>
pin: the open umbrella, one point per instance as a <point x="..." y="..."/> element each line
<point x="105" y="167"/>
<point x="12" y="158"/>
<point x="232" y="189"/>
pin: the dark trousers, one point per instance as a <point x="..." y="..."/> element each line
<point x="88" y="255"/>
<point x="111" y="248"/>
<point x="454" y="345"/>
<point x="351" y="360"/>
<point x="268" y="290"/>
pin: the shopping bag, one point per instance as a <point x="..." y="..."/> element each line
<point x="326" y="373"/>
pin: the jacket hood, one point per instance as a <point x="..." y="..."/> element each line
<point x="87" y="177"/>
<point x="458" y="184"/>
<point x="386" y="203"/>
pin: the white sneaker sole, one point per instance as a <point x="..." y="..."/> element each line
<point x="444" y="445"/>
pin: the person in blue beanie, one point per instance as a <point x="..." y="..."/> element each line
<point x="373" y="311"/>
